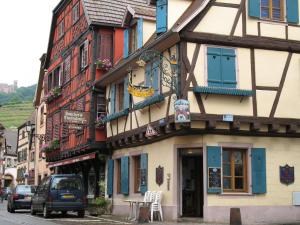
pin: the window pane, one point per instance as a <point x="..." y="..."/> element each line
<point x="265" y="3"/>
<point x="239" y="183"/>
<point x="238" y="170"/>
<point x="265" y="13"/>
<point x="238" y="158"/>
<point x="226" y="170"/>
<point x="276" y="3"/>
<point x="276" y="14"/>
<point x="226" y="183"/>
<point x="226" y="156"/>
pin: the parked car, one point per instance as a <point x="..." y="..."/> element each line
<point x="59" y="192"/>
<point x="20" y="198"/>
<point x="7" y="192"/>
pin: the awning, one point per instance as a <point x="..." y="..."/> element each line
<point x="72" y="160"/>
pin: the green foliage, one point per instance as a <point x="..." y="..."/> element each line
<point x="100" y="202"/>
<point x="22" y="94"/>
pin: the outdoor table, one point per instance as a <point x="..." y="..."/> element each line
<point x="133" y="214"/>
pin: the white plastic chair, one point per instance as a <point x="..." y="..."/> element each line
<point x="147" y="197"/>
<point x="156" y="205"/>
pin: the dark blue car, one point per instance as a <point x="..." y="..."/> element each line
<point x="60" y="192"/>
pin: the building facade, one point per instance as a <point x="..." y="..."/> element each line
<point x="211" y="127"/>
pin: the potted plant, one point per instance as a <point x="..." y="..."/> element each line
<point x="104" y="64"/>
<point x="99" y="206"/>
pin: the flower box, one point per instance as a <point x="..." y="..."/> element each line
<point x="104" y="64"/>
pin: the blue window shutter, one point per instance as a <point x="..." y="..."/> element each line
<point x="161" y="16"/>
<point x="254" y="8"/>
<point x="125" y="175"/>
<point x="156" y="77"/>
<point x="292" y="13"/>
<point x="110" y="177"/>
<point x="258" y="164"/>
<point x="148" y="81"/>
<point x="126" y="101"/>
<point x="228" y="68"/>
<point x="214" y="67"/>
<point x="140" y="33"/>
<point x="112" y="98"/>
<point x="126" y="43"/>
<point x="213" y="160"/>
<point x="144" y="172"/>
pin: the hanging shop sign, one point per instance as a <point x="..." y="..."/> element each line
<point x="159" y="175"/>
<point x="182" y="111"/>
<point x="75" y="117"/>
<point x="286" y="174"/>
<point x="150" y="132"/>
<point x="140" y="91"/>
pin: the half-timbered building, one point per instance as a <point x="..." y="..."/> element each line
<point x="86" y="38"/>
<point x="218" y="124"/>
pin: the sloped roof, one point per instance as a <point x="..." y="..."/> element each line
<point x="108" y="12"/>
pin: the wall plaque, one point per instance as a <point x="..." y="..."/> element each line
<point x="286" y="174"/>
<point x="159" y="176"/>
<point x="214" y="177"/>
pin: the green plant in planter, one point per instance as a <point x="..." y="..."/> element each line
<point x="99" y="206"/>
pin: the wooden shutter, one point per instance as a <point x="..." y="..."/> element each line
<point x="126" y="96"/>
<point x="214" y="67"/>
<point x="156" y="76"/>
<point x="105" y="45"/>
<point x="144" y="173"/>
<point x="67" y="69"/>
<point x="110" y="177"/>
<point x="213" y="160"/>
<point x="85" y="53"/>
<point x="56" y="126"/>
<point x="112" y="98"/>
<point x="161" y="16"/>
<point x="60" y="75"/>
<point x="258" y="165"/>
<point x="49" y="129"/>
<point x="125" y="175"/>
<point x="292" y="12"/>
<point x="126" y="43"/>
<point x="228" y="68"/>
<point x="140" y="33"/>
<point x="254" y="8"/>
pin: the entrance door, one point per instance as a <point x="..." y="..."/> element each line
<point x="192" y="184"/>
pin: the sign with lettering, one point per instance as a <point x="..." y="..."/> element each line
<point x="75" y="117"/>
<point x="228" y="118"/>
<point x="214" y="177"/>
<point x="75" y="127"/>
<point x="287" y="174"/>
<point x="182" y="111"/>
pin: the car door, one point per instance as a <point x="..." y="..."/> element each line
<point x="34" y="200"/>
<point x="44" y="193"/>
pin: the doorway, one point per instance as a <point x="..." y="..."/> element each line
<point x="191" y="183"/>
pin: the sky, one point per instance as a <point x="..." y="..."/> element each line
<point x="25" y="27"/>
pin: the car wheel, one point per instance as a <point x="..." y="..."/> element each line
<point x="46" y="212"/>
<point x="8" y="209"/>
<point x="32" y="212"/>
<point x="12" y="210"/>
<point x="81" y="213"/>
<point x="64" y="213"/>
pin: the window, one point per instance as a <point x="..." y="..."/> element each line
<point x="137" y="173"/>
<point x="105" y="44"/>
<point x="42" y="116"/>
<point x="67" y="70"/>
<point x="57" y="76"/>
<point x="84" y="55"/>
<point x="101" y="106"/>
<point x="118" y="169"/>
<point x="234" y="170"/>
<point x="272" y="9"/>
<point x="119" y="96"/>
<point x="133" y="39"/>
<point x="75" y="13"/>
<point x="221" y="67"/>
<point x="50" y="81"/>
<point x="61" y="27"/>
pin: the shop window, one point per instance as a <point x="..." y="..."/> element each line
<point x="83" y="55"/>
<point x="234" y="170"/>
<point x="75" y="13"/>
<point x="118" y="176"/>
<point x="137" y="173"/>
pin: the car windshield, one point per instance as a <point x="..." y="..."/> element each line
<point x="25" y="189"/>
<point x="66" y="183"/>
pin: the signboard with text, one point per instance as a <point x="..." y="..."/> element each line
<point x="75" y="117"/>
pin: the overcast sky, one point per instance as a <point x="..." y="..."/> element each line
<point x="25" y="27"/>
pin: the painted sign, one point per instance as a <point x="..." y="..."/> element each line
<point x="75" y="117"/>
<point x="150" y="132"/>
<point x="73" y="160"/>
<point x="159" y="176"/>
<point x="228" y="118"/>
<point x="75" y="127"/>
<point x="182" y="111"/>
<point x="287" y="174"/>
<point x="140" y="91"/>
